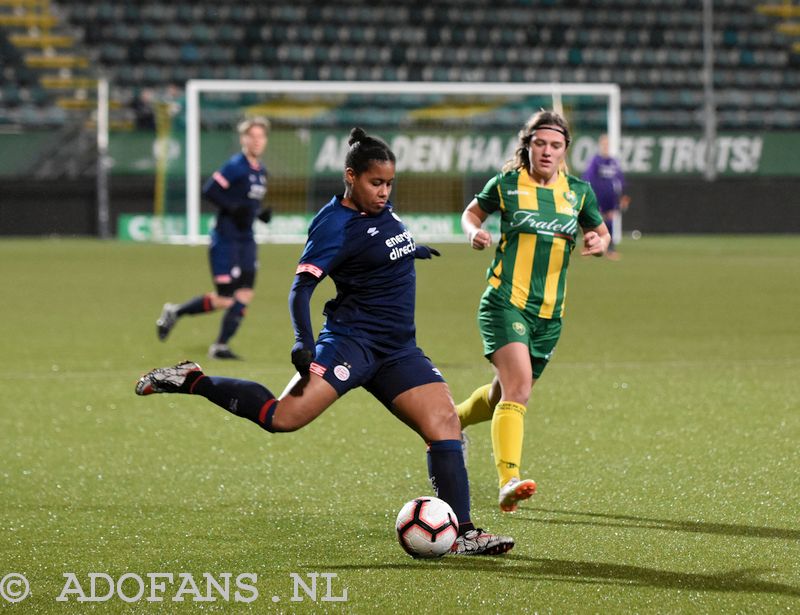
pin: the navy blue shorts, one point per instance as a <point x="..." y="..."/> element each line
<point x="347" y="363"/>
<point x="233" y="263"/>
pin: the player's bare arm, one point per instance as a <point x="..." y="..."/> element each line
<point x="471" y="222"/>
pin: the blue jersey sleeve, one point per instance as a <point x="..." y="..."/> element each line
<point x="237" y="189"/>
<point x="217" y="188"/>
<point x="300" y="308"/>
<point x="325" y="244"/>
<point x="230" y="172"/>
<point x="218" y="195"/>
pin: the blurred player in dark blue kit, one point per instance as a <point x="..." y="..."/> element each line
<point x="237" y="190"/>
<point x="605" y="175"/>
<point x="368" y="340"/>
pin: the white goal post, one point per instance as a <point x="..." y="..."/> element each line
<point x="196" y="87"/>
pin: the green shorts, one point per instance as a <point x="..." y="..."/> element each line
<point x="501" y="323"/>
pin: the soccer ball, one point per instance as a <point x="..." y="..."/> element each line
<point x="426" y="527"/>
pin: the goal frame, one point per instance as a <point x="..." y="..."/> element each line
<point x="196" y="87"/>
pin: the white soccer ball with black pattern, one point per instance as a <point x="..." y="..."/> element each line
<point x="426" y="527"/>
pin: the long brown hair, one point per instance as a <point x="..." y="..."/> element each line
<point x="543" y="117"/>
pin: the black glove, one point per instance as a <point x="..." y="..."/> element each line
<point x="242" y="217"/>
<point x="302" y="358"/>
<point x="425" y="252"/>
<point x="265" y="215"/>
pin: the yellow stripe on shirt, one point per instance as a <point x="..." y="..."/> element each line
<point x="523" y="266"/>
<point x="553" y="277"/>
<point x="526" y="245"/>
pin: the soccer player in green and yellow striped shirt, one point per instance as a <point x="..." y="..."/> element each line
<point x="541" y="208"/>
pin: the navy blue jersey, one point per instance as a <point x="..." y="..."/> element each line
<point x="371" y="261"/>
<point x="237" y="189"/>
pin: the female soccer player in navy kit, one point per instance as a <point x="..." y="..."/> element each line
<point x="237" y="190"/>
<point x="368" y="339"/>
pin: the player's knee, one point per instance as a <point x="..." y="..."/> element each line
<point x="452" y="424"/>
<point x="518" y="392"/>
<point x="516" y="386"/>
<point x="277" y="427"/>
<point x="244" y="295"/>
<point x="444" y="425"/>
<point x="284" y="423"/>
<point x="223" y="302"/>
<point x="290" y="417"/>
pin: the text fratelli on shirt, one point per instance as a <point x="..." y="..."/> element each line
<point x="528" y="221"/>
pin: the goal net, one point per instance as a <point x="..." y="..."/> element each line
<point x="449" y="139"/>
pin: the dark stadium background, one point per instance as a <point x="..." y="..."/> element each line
<point x="52" y="51"/>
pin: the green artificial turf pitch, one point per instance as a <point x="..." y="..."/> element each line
<point x="664" y="438"/>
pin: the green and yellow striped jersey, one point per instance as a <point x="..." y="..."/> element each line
<point x="539" y="227"/>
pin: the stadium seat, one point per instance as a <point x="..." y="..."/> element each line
<point x="652" y="49"/>
<point x="10" y="94"/>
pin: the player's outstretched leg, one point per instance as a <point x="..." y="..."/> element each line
<point x="244" y="398"/>
<point x="176" y="379"/>
<point x="478" y="542"/>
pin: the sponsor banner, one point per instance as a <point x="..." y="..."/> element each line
<point x="300" y="153"/>
<point x="425" y="153"/>
<point x="148" y="227"/>
<point x="477" y="154"/>
<point x="676" y="155"/>
<point x="171" y="227"/>
<point x="443" y="228"/>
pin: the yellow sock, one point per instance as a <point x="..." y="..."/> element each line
<point x="476" y="408"/>
<point x="508" y="426"/>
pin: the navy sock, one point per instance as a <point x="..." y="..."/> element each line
<point x="244" y="398"/>
<point x="449" y="478"/>
<point x="196" y="305"/>
<point x="231" y="321"/>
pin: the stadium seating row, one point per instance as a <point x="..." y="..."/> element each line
<point x="652" y="49"/>
<point x="115" y="52"/>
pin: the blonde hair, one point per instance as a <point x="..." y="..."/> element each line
<point x="541" y="118"/>
<point x="246" y="124"/>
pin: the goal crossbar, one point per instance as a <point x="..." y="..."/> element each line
<point x="196" y="87"/>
